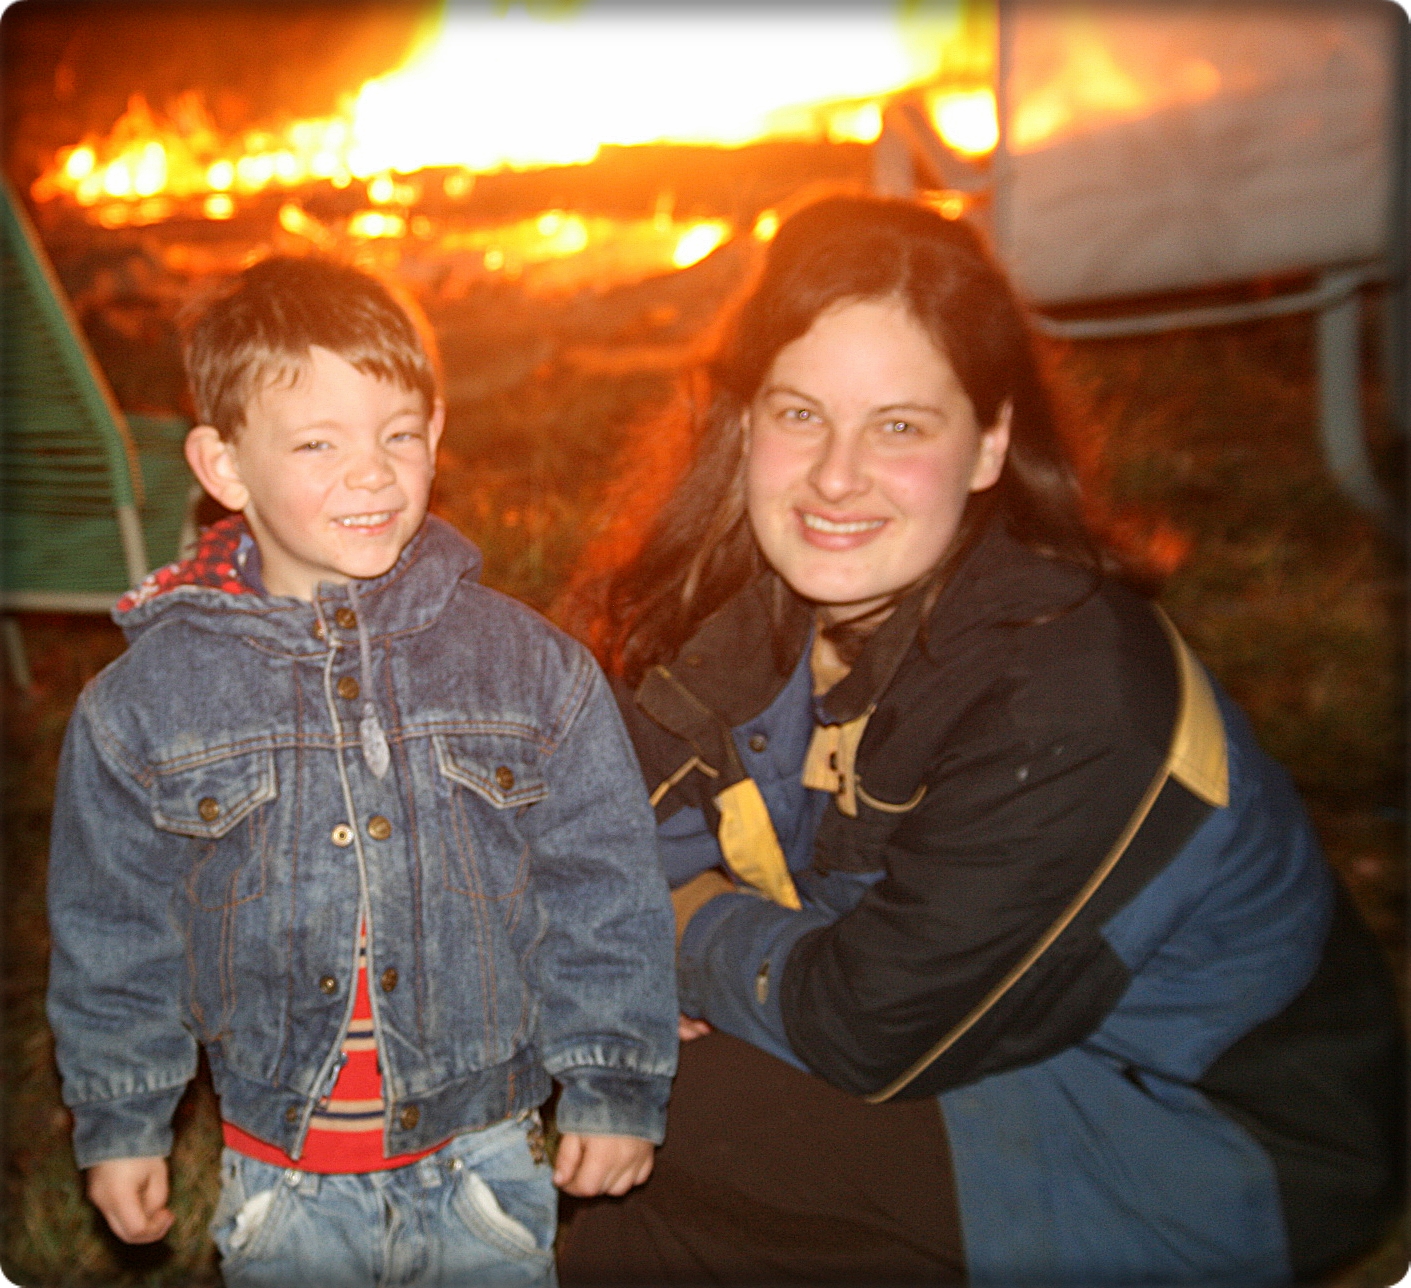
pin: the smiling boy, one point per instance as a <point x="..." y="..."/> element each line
<point x="369" y="833"/>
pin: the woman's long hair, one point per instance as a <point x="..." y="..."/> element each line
<point x="698" y="549"/>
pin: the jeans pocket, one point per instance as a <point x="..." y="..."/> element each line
<point x="493" y="1220"/>
<point x="248" y="1210"/>
<point x="505" y="1199"/>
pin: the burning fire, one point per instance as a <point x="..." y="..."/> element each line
<point x="517" y="91"/>
<point x="486" y="92"/>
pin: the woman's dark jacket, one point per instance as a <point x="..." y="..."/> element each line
<point x="1055" y="883"/>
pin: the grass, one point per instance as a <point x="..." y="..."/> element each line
<point x="1204" y="445"/>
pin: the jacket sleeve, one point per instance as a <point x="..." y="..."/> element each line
<point x="1009" y="829"/>
<point x="604" y="970"/>
<point x="115" y="1000"/>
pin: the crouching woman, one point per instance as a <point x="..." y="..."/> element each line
<point x="1008" y="955"/>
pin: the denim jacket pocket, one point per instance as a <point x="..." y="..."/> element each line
<point x="498" y="769"/>
<point x="207" y="800"/>
<point x="491" y="780"/>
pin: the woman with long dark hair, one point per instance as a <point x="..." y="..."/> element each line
<point x="1004" y="953"/>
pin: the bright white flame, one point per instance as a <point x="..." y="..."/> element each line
<point x="968" y="122"/>
<point x="501" y="86"/>
<point x="698" y="241"/>
<point x="80" y="163"/>
<point x="376" y="223"/>
<point x="766" y="225"/>
<point x="516" y="90"/>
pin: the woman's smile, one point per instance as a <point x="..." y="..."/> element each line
<point x="837" y="534"/>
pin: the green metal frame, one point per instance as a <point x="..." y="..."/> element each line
<point x="85" y="491"/>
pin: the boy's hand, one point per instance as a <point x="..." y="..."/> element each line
<point x="591" y="1165"/>
<point x="132" y="1194"/>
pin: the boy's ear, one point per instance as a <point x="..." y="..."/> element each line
<point x="213" y="464"/>
<point x="435" y="424"/>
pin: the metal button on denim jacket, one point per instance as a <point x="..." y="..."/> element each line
<point x="218" y="835"/>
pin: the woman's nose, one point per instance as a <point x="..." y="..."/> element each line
<point x="838" y="470"/>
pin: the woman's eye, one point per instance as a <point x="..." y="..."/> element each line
<point x="900" y="427"/>
<point x="799" y="414"/>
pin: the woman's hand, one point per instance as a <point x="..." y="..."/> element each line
<point x="688" y="1029"/>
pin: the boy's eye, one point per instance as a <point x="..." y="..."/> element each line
<point x="312" y="445"/>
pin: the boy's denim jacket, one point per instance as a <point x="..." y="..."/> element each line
<point x="218" y="835"/>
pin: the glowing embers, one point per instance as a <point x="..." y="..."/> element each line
<point x="563" y="250"/>
<point x="553" y="251"/>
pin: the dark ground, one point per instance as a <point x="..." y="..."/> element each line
<point x="1203" y="443"/>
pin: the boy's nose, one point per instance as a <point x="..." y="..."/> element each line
<point x="371" y="471"/>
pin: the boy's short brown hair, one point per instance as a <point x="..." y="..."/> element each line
<point x="262" y="326"/>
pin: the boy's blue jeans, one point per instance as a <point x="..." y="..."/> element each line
<point x="478" y="1211"/>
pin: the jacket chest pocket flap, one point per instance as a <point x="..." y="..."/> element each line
<point x="205" y="801"/>
<point x="497" y="769"/>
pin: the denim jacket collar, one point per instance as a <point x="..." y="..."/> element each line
<point x="408" y="597"/>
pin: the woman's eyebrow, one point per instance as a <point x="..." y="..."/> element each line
<point x="788" y="391"/>
<point x="910" y="406"/>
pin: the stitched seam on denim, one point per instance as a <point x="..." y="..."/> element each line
<point x="225" y="969"/>
<point x="454" y="860"/>
<point x="526" y="994"/>
<point x="465" y="853"/>
<point x="197" y="1011"/>
<point x="475" y="728"/>
<point x="563" y="720"/>
<point x="520" y="885"/>
<point x="481" y="911"/>
<point x="214" y="755"/>
<point x="413" y="829"/>
<point x="284" y="654"/>
<point x="78" y="1101"/>
<point x="105" y="740"/>
<point x="286" y="1020"/>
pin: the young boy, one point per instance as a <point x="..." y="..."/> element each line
<point x="368" y="832"/>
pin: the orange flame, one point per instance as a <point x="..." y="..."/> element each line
<point x="515" y="91"/>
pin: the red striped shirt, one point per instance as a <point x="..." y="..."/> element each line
<point x="345" y="1132"/>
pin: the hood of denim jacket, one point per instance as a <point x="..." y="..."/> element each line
<point x="207" y="593"/>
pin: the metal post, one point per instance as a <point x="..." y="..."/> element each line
<point x="134" y="546"/>
<point x="1340" y="431"/>
<point x="893" y="170"/>
<point x="15" y="657"/>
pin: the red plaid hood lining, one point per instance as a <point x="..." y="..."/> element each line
<point x="214" y="565"/>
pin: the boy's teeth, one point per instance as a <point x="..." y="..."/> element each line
<point x="819" y="524"/>
<point x="365" y="520"/>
